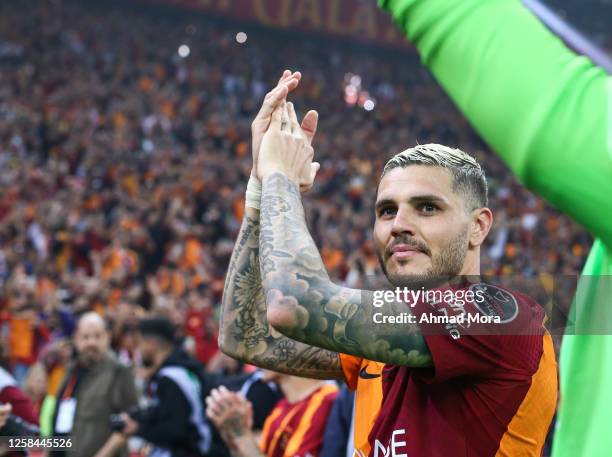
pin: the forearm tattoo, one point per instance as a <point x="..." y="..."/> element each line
<point x="322" y="313"/>
<point x="244" y="330"/>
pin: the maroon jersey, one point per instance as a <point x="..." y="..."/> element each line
<point x="492" y="390"/>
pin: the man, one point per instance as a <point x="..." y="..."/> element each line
<point x="552" y="126"/>
<point x="174" y="423"/>
<point x="431" y="219"/>
<point x="295" y="426"/>
<point x="94" y="388"/>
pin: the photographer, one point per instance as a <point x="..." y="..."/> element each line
<point x="174" y="423"/>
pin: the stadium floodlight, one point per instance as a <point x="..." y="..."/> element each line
<point x="184" y="51"/>
<point x="369" y="104"/>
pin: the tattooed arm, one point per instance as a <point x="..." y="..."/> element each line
<point x="304" y="304"/>
<point x="244" y="330"/>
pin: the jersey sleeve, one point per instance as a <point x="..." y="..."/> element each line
<point x="546" y="111"/>
<point x="350" y="367"/>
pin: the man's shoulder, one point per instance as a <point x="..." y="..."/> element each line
<point x="506" y="304"/>
<point x="117" y="365"/>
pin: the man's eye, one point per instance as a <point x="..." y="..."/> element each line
<point x="386" y="212"/>
<point x="429" y="208"/>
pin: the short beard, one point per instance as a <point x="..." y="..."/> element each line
<point x="147" y="362"/>
<point x="87" y="361"/>
<point x="444" y="266"/>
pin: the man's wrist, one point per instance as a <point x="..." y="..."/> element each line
<point x="267" y="175"/>
<point x="244" y="442"/>
<point x="253" y="193"/>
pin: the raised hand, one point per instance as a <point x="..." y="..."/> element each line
<point x="286" y="148"/>
<point x="275" y="98"/>
<point x="288" y="82"/>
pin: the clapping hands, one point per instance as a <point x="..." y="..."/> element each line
<point x="280" y="142"/>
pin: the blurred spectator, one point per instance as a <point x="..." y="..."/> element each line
<point x="174" y="423"/>
<point x="96" y="385"/>
<point x="15" y="404"/>
<point x="294" y="427"/>
<point x="338" y="438"/>
<point x="262" y="395"/>
<point x="11" y="394"/>
<point x="35" y="385"/>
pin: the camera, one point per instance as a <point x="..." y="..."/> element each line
<point x="138" y="413"/>
<point x="16" y="426"/>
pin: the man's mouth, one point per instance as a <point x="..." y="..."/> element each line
<point x="404" y="251"/>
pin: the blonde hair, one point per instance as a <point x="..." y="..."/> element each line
<point x="468" y="175"/>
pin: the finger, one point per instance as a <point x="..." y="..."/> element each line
<point x="295" y="126"/>
<point x="284" y="76"/>
<point x="212" y="411"/>
<point x="216" y="395"/>
<point x="285" y="124"/>
<point x="233" y="402"/>
<point x="314" y="169"/>
<point x="287" y="74"/>
<point x="240" y="401"/>
<point x="309" y="124"/>
<point x="293" y="81"/>
<point x="277" y="119"/>
<point x="272" y="100"/>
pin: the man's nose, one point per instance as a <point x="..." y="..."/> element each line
<point x="403" y="223"/>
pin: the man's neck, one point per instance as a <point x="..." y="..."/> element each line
<point x="296" y="389"/>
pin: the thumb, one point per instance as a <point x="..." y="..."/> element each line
<point x="309" y="124"/>
<point x="314" y="169"/>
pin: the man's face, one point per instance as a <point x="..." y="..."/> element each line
<point x="421" y="228"/>
<point x="148" y="347"/>
<point x="92" y="342"/>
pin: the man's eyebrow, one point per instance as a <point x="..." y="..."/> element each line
<point x="425" y="198"/>
<point x="384" y="202"/>
<point x="428" y="198"/>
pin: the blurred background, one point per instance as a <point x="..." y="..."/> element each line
<point x="125" y="152"/>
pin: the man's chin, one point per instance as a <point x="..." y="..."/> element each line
<point x="411" y="281"/>
<point x="89" y="361"/>
<point x="396" y="271"/>
<point x="411" y="276"/>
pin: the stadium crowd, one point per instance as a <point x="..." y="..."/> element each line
<point x="124" y="166"/>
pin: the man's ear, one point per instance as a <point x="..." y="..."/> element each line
<point x="481" y="222"/>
